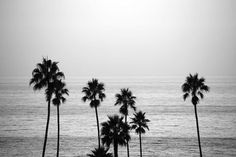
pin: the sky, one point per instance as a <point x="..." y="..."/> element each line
<point x="119" y="38"/>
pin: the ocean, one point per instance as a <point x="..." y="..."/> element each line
<point x="23" y="114"/>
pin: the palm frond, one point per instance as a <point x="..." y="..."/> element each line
<point x="124" y="110"/>
<point x="94" y="103"/>
<point x="201" y="81"/>
<point x="55" y="101"/>
<point x="63" y="100"/>
<point x="32" y="81"/>
<point x="38" y="86"/>
<point x="139" y="122"/>
<point x="36" y="71"/>
<point x="195" y="100"/>
<point x="186" y="87"/>
<point x="205" y="88"/>
<point x="200" y="94"/>
<point x="132" y="105"/>
<point x="101" y="96"/>
<point x="59" y="75"/>
<point x="53" y="67"/>
<point x="84" y="98"/>
<point x="100" y="152"/>
<point x="100" y="86"/>
<point x="185" y="96"/>
<point x="42" y="67"/>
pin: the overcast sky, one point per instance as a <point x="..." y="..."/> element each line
<point x="119" y="38"/>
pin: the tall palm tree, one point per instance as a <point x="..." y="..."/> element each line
<point x="100" y="152"/>
<point x="195" y="87"/>
<point x="126" y="100"/>
<point x="139" y="123"/>
<point x="94" y="92"/>
<point x="115" y="131"/>
<point x="59" y="98"/>
<point x="42" y="77"/>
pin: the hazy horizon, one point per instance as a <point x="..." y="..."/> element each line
<point x="119" y="38"/>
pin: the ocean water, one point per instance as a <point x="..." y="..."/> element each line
<point x="23" y="114"/>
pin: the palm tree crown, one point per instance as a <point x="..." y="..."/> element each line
<point x="115" y="131"/>
<point x="60" y="90"/>
<point x="195" y="87"/>
<point x="100" y="152"/>
<point x="94" y="92"/>
<point x="44" y="75"/>
<point x="126" y="99"/>
<point x="139" y="122"/>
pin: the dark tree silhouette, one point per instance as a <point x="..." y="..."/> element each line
<point x="195" y="87"/>
<point x="100" y="152"/>
<point x="43" y="76"/>
<point x="139" y="124"/>
<point x="115" y="131"/>
<point x="126" y="100"/>
<point x="59" y="91"/>
<point x="94" y="92"/>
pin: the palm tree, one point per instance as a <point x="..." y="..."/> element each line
<point x="126" y="100"/>
<point x="139" y="123"/>
<point x="42" y="77"/>
<point x="100" y="152"/>
<point x="94" y="92"/>
<point x="59" y="91"/>
<point x="195" y="87"/>
<point x="115" y="131"/>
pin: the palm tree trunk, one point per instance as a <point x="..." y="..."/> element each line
<point x="115" y="149"/>
<point x="198" y="133"/>
<point x="140" y="142"/>
<point x="46" y="131"/>
<point x="96" y="111"/>
<point x="127" y="140"/>
<point x="127" y="149"/>
<point x="58" y="130"/>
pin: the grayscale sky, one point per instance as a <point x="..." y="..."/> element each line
<point x="119" y="38"/>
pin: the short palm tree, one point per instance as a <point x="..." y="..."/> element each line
<point x="43" y="76"/>
<point x="115" y="131"/>
<point x="94" y="92"/>
<point x="195" y="87"/>
<point x="59" y="91"/>
<point x="100" y="152"/>
<point x="126" y="100"/>
<point x="139" y="124"/>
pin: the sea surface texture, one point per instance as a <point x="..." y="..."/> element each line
<point x="23" y="115"/>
